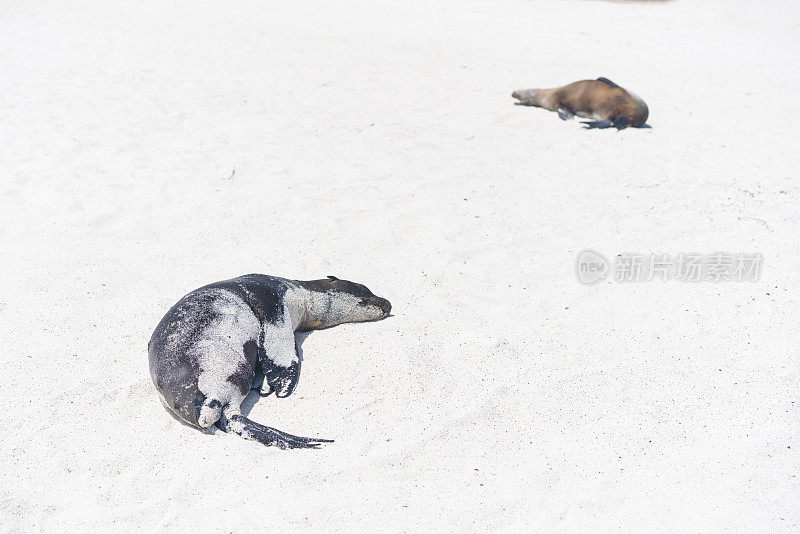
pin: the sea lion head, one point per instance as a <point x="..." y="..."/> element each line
<point x="349" y="302"/>
<point x="526" y="97"/>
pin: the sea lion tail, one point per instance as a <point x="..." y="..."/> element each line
<point x="241" y="425"/>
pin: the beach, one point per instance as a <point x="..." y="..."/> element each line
<point x="147" y="149"/>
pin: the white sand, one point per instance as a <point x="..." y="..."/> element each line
<point x="377" y="141"/>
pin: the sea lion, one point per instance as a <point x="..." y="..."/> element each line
<point x="205" y="352"/>
<point x="601" y="99"/>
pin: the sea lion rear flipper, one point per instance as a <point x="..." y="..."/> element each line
<point x="242" y="426"/>
<point x="591" y="125"/>
<point x="606" y="80"/>
<point x="621" y="122"/>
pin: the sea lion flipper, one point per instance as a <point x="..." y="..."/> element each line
<point x="244" y="427"/>
<point x="606" y="80"/>
<point x="282" y="380"/>
<point x="280" y="360"/>
<point x="565" y="114"/>
<point x="621" y="122"/>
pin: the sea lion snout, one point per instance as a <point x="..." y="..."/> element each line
<point x="368" y="298"/>
<point x="526" y="97"/>
<point x="382" y="303"/>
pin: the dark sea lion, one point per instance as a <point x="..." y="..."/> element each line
<point x="601" y="99"/>
<point x="205" y="351"/>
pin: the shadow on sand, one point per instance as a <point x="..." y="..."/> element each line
<point x="602" y="125"/>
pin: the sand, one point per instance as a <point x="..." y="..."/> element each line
<point x="149" y="148"/>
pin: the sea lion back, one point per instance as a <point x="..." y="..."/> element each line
<point x="194" y="350"/>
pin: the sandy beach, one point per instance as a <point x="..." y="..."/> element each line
<point x="148" y="148"/>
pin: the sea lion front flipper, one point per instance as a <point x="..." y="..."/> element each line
<point x="280" y="360"/>
<point x="606" y="80"/>
<point x="282" y="380"/>
<point x="565" y="114"/>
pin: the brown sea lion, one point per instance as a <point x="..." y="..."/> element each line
<point x="601" y="99"/>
